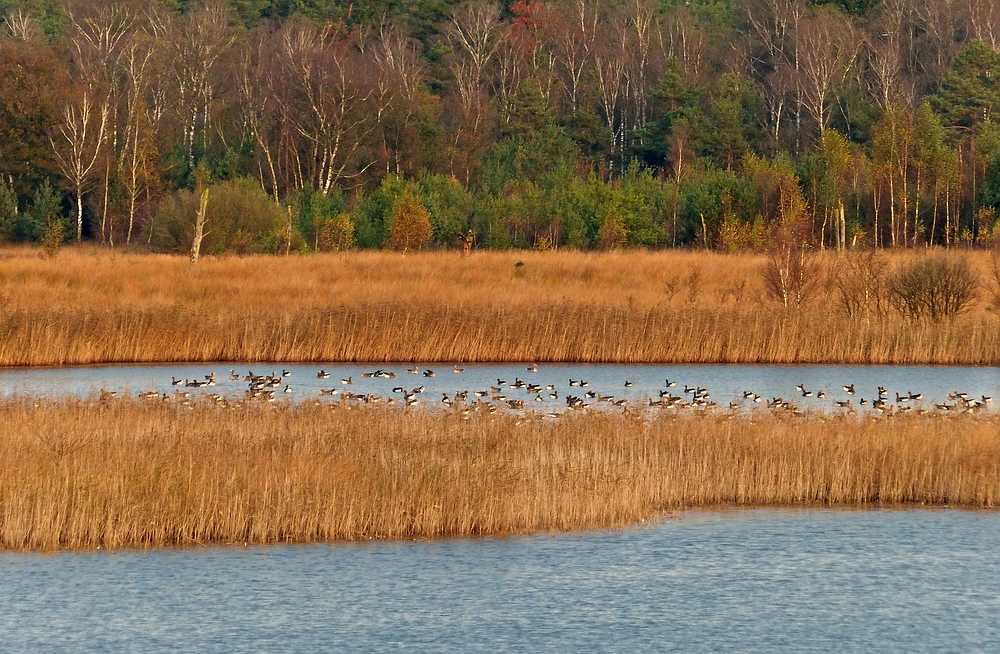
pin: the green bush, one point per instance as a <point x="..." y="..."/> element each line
<point x="241" y="217"/>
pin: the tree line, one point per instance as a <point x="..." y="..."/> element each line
<point x="543" y="123"/>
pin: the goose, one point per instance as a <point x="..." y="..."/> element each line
<point x="459" y="371"/>
<point x="987" y="399"/>
<point x="844" y="404"/>
<point x="915" y="396"/>
<point x="849" y="389"/>
<point x="801" y="388"/>
<point x="328" y="391"/>
<point x="233" y="375"/>
<point x="590" y="395"/>
<point x="550" y="387"/>
<point x="481" y="393"/>
<point x="806" y="393"/>
<point x="346" y="380"/>
<point x="882" y="392"/>
<point x="538" y="398"/>
<point x="398" y="389"/>
<point x="176" y="382"/>
<point x="414" y="370"/>
<point x="554" y="395"/>
<point x="864" y="402"/>
<point x="671" y="384"/>
<point x="501" y="382"/>
<point x="322" y="374"/>
<point x="628" y="384"/>
<point x="820" y="394"/>
<point x="902" y="398"/>
<point x="574" y="382"/>
<point x="689" y="389"/>
<point x="533" y="367"/>
<point x="286" y="373"/>
<point x="288" y="389"/>
<point x="428" y="373"/>
<point x="621" y="402"/>
<point x="584" y="383"/>
<point x="418" y="389"/>
<point x="747" y="394"/>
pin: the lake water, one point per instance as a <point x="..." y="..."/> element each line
<point x="747" y="580"/>
<point x="726" y="383"/>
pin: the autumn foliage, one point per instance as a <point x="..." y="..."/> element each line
<point x="411" y="226"/>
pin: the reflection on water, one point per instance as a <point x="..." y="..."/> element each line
<point x="809" y="387"/>
<point x="767" y="580"/>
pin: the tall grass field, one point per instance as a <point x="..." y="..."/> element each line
<point x="130" y="474"/>
<point x="93" y="306"/>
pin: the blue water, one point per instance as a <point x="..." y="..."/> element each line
<point x="740" y="581"/>
<point x="726" y="383"/>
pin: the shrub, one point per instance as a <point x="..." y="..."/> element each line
<point x="411" y="225"/>
<point x="792" y="272"/>
<point x="336" y="234"/>
<point x="613" y="234"/>
<point x="861" y="280"/>
<point x="934" y="287"/>
<point x="241" y="218"/>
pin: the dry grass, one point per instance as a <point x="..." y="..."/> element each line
<point x="92" y="306"/>
<point x="86" y="474"/>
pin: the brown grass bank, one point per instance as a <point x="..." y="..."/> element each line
<point x="92" y="306"/>
<point x="86" y="474"/>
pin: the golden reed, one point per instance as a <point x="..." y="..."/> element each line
<point x="125" y="474"/>
<point x="94" y="306"/>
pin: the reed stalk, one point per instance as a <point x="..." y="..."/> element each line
<point x="91" y="306"/>
<point x="128" y="474"/>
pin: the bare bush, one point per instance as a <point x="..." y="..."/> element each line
<point x="994" y="266"/>
<point x="861" y="281"/>
<point x="934" y="287"/>
<point x="792" y="272"/>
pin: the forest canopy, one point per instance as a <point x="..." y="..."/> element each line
<point x="536" y="124"/>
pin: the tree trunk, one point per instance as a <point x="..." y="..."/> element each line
<point x="842" y="225"/>
<point x="79" y="213"/>
<point x="199" y="228"/>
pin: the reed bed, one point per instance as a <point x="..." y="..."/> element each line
<point x="125" y="474"/>
<point x="91" y="306"/>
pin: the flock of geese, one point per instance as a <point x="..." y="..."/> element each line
<point x="521" y="394"/>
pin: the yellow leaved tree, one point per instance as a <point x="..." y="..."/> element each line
<point x="411" y="224"/>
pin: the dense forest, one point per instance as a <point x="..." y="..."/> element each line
<point x="302" y="125"/>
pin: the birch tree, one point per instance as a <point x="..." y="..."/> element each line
<point x="79" y="145"/>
